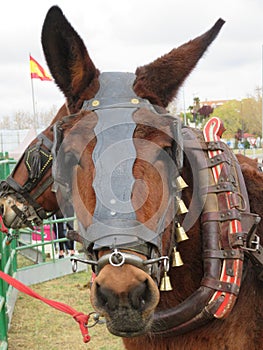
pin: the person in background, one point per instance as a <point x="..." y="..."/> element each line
<point x="69" y="226"/>
<point x="60" y="229"/>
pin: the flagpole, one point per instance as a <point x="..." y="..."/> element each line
<point x="36" y="71"/>
<point x="33" y="100"/>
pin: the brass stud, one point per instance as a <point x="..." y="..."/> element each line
<point x="135" y="101"/>
<point x="95" y="103"/>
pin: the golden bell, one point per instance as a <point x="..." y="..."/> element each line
<point x="177" y="260"/>
<point x="180" y="183"/>
<point x="180" y="233"/>
<point x="181" y="206"/>
<point x="165" y="283"/>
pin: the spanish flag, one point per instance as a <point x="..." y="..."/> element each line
<point x="37" y="71"/>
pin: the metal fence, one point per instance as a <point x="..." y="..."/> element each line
<point x="38" y="248"/>
<point x="42" y="265"/>
<point x="7" y="265"/>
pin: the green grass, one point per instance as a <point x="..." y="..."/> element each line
<point x="36" y="326"/>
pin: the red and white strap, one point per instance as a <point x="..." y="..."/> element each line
<point x="213" y="131"/>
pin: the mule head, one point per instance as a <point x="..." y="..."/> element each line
<point x="26" y="195"/>
<point x="126" y="154"/>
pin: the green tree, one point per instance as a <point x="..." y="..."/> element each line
<point x="205" y="111"/>
<point x="251" y="115"/>
<point x="244" y="115"/>
<point x="230" y="114"/>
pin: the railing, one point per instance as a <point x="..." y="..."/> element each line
<point x="7" y="265"/>
<point x="45" y="267"/>
<point x="42" y="266"/>
<point x="7" y="260"/>
<point x="6" y="165"/>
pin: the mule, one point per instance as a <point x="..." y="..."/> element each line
<point x="26" y="195"/>
<point x="123" y="158"/>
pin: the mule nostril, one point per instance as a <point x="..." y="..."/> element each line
<point x="140" y="295"/>
<point x="106" y="298"/>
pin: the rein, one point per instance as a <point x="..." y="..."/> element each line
<point x="79" y="317"/>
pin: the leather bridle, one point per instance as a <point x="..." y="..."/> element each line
<point x="115" y="226"/>
<point x="38" y="160"/>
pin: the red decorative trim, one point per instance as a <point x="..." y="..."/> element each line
<point x="213" y="131"/>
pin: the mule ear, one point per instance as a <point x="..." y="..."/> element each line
<point x="66" y="56"/>
<point x="160" y="80"/>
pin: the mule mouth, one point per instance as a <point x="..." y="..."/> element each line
<point x="125" y="334"/>
<point x="129" y="333"/>
<point x="8" y="214"/>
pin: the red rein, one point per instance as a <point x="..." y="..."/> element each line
<point x="81" y="318"/>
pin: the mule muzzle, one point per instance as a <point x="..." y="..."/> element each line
<point x="125" y="294"/>
<point x="18" y="208"/>
<point x="14" y="213"/>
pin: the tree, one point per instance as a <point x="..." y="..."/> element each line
<point x="45" y="118"/>
<point x="205" y="111"/>
<point x="244" y="115"/>
<point x="251" y="115"/>
<point x="5" y="123"/>
<point x="24" y="120"/>
<point x="230" y="114"/>
<point x="196" y="108"/>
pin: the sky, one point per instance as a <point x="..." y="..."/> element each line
<point x="121" y="35"/>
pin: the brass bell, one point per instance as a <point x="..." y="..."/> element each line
<point x="165" y="283"/>
<point x="180" y="233"/>
<point x="180" y="183"/>
<point x="181" y="206"/>
<point x="177" y="260"/>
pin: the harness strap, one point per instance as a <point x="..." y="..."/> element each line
<point x="218" y="159"/>
<point x="221" y="216"/>
<point x="79" y="317"/>
<point x="223" y="254"/>
<point x="221" y="187"/>
<point x="46" y="141"/>
<point x="221" y="286"/>
<point x="42" y="188"/>
<point x="21" y="216"/>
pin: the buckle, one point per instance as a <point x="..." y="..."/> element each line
<point x="253" y="245"/>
